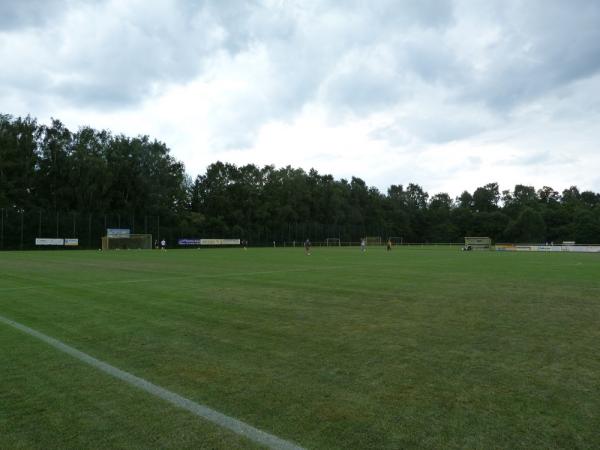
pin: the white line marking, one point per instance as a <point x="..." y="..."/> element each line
<point x="237" y="426"/>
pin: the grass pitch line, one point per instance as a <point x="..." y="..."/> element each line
<point x="237" y="426"/>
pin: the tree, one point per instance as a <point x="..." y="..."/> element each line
<point x="465" y="200"/>
<point x="528" y="228"/>
<point x="18" y="161"/>
<point x="486" y="198"/>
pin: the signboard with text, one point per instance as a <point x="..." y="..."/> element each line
<point x="49" y="241"/>
<point x="118" y="232"/>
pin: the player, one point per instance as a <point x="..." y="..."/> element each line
<point x="163" y="245"/>
<point x="389" y="245"/>
<point x="307" y="246"/>
<point x="363" y="245"/>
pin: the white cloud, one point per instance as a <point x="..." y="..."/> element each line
<point x="451" y="95"/>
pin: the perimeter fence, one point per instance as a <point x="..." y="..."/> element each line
<point x="20" y="228"/>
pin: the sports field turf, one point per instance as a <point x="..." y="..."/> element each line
<point x="415" y="348"/>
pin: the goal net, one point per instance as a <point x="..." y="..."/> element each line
<point x="131" y="242"/>
<point x="396" y="240"/>
<point x="373" y="240"/>
<point x="331" y="242"/>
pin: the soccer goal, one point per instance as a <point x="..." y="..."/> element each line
<point x="396" y="240"/>
<point x="373" y="240"/>
<point x="332" y="242"/>
<point x="131" y="242"/>
<point x="478" y="243"/>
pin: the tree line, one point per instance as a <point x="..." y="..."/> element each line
<point x="94" y="179"/>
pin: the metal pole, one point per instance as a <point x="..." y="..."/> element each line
<point x="22" y="229"/>
<point x="90" y="231"/>
<point x="74" y="226"/>
<point x="57" y="217"/>
<point x="2" y="230"/>
<point x="40" y="225"/>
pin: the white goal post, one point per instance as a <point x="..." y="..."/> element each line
<point x="331" y="242"/>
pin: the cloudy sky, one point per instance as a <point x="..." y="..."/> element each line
<point x="447" y="94"/>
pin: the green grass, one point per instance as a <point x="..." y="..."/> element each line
<point x="416" y="348"/>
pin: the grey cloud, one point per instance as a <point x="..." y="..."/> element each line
<point x="16" y="14"/>
<point x="355" y="56"/>
<point x="544" y="46"/>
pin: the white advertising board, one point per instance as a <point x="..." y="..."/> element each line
<point x="118" y="232"/>
<point x="549" y="248"/>
<point x="219" y="242"/>
<point x="72" y="242"/>
<point x="581" y="248"/>
<point x="49" y="241"/>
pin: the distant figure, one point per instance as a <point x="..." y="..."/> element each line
<point x="156" y="243"/>
<point x="307" y="246"/>
<point x="389" y="245"/>
<point x="363" y="245"/>
<point x="245" y="244"/>
<point x="163" y="245"/>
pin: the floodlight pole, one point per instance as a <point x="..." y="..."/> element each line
<point x="22" y="229"/>
<point x="2" y="230"/>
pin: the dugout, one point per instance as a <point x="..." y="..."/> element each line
<point x="478" y="243"/>
<point x="131" y="242"/>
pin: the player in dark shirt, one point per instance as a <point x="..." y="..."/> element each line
<point x="307" y="246"/>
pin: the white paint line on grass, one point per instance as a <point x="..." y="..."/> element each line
<point x="237" y="426"/>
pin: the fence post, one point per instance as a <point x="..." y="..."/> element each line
<point x="57" y="218"/>
<point x="21" y="246"/>
<point x="90" y="231"/>
<point x="40" y="225"/>
<point x="2" y="230"/>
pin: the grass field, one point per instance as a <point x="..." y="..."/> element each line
<point x="415" y="348"/>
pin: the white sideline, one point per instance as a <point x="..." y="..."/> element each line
<point x="237" y="426"/>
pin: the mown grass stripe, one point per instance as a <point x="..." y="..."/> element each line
<point x="230" y="423"/>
